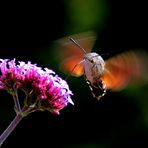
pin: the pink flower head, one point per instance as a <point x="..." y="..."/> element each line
<point x="44" y="89"/>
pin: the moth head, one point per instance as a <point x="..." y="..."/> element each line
<point x="94" y="59"/>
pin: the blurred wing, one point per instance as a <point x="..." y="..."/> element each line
<point x="73" y="66"/>
<point x="124" y="69"/>
<point x="68" y="54"/>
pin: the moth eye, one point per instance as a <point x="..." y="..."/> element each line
<point x="91" y="60"/>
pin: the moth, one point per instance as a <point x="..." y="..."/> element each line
<point x="113" y="74"/>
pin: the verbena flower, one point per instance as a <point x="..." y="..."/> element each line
<point x="44" y="89"/>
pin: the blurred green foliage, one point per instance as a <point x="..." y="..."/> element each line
<point x="85" y="15"/>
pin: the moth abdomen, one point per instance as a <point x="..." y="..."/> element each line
<point x="97" y="89"/>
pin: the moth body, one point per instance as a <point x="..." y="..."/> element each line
<point x="93" y="69"/>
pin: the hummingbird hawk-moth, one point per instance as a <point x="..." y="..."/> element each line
<point x="114" y="73"/>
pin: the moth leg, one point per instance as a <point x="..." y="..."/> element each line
<point x="99" y="83"/>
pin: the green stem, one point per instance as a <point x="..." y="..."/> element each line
<point x="11" y="127"/>
<point x="16" y="102"/>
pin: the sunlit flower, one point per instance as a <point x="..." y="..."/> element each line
<point x="44" y="89"/>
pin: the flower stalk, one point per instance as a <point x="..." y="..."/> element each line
<point x="17" y="106"/>
<point x="10" y="128"/>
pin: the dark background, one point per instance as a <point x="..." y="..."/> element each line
<point x="119" y="119"/>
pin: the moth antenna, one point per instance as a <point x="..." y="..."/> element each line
<point x="104" y="54"/>
<point x="71" y="39"/>
<point x="73" y="69"/>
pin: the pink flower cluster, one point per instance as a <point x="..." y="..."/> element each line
<point x="43" y="88"/>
